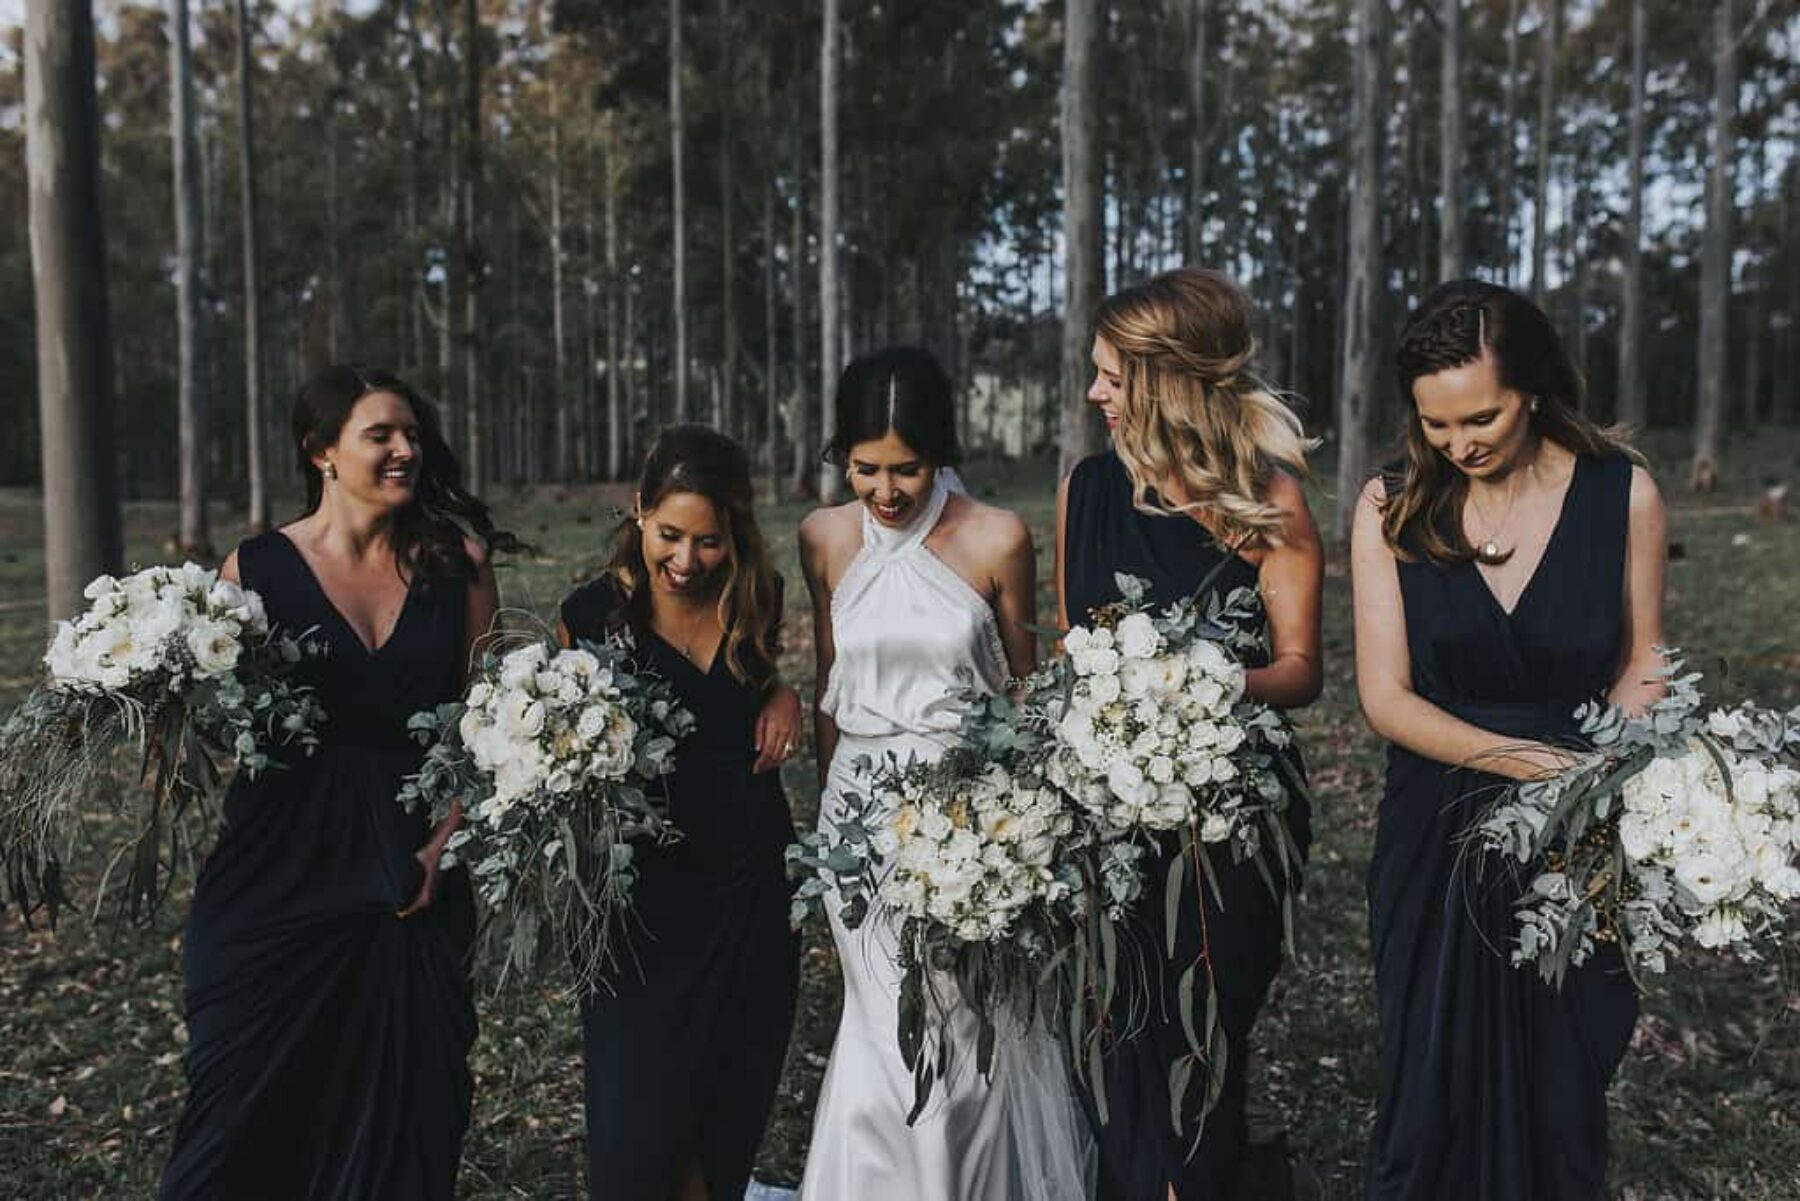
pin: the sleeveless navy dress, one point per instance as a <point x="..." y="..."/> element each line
<point x="1493" y="1085"/>
<point x="1142" y="1153"/>
<point x="684" y="1055"/>
<point x="328" y="1039"/>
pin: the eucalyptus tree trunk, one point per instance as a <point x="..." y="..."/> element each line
<point x="678" y="285"/>
<point x="1450" y="149"/>
<point x="1548" y="37"/>
<point x="800" y="424"/>
<point x="1509" y="149"/>
<point x="255" y="452"/>
<point x="771" y="408"/>
<point x="728" y="274"/>
<point x="1715" y="257"/>
<point x="830" y="300"/>
<point x="1196" y="99"/>
<point x="471" y="182"/>
<point x="615" y="370"/>
<point x="560" y="394"/>
<point x="82" y="537"/>
<point x="193" y="540"/>
<point x="1631" y="407"/>
<point x="1356" y="400"/>
<point x="1083" y="161"/>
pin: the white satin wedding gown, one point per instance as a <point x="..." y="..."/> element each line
<point x="908" y="631"/>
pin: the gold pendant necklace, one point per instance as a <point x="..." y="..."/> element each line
<point x="1489" y="552"/>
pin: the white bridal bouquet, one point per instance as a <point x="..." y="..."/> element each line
<point x="1012" y="862"/>
<point x="173" y="660"/>
<point x="554" y="756"/>
<point x="1678" y="825"/>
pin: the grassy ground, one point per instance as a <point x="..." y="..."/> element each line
<point x="90" y="1031"/>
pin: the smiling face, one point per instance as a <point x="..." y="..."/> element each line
<point x="890" y="478"/>
<point x="684" y="544"/>
<point x="1472" y="419"/>
<point x="378" y="452"/>
<point x="1107" y="392"/>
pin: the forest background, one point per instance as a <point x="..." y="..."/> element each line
<point x="574" y="222"/>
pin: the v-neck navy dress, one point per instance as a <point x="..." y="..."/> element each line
<point x="1142" y="1152"/>
<point x="328" y="1039"/>
<point x="684" y="1055"/>
<point x="1493" y="1085"/>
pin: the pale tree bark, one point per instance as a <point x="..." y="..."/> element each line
<point x="476" y="467"/>
<point x="1715" y="257"/>
<point x="255" y="449"/>
<point x="800" y="423"/>
<point x="1196" y="99"/>
<point x="1356" y="401"/>
<point x="678" y="286"/>
<point x="830" y="300"/>
<point x="1083" y="236"/>
<point x="82" y="537"/>
<point x="615" y="370"/>
<point x="1509" y="130"/>
<point x="560" y="394"/>
<point x="771" y="406"/>
<point x="190" y="300"/>
<point x="1450" y="149"/>
<point x="728" y="248"/>
<point x="1549" y="34"/>
<point x="1632" y="407"/>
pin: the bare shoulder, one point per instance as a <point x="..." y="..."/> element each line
<point x="1646" y="497"/>
<point x="1002" y="529"/>
<point x="830" y="533"/>
<point x="228" y="570"/>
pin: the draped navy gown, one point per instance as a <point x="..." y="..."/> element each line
<point x="1142" y="1153"/>
<point x="1493" y="1085"/>
<point x="683" y="1056"/>
<point x="328" y="1039"/>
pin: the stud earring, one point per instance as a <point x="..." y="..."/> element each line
<point x="1534" y="404"/>
<point x="330" y="471"/>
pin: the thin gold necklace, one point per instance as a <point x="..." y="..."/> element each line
<point x="1489" y="551"/>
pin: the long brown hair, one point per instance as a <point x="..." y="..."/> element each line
<point x="427" y="533"/>
<point x="1422" y="515"/>
<point x="701" y="460"/>
<point x="1193" y="409"/>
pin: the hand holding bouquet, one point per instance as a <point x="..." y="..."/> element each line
<point x="554" y="757"/>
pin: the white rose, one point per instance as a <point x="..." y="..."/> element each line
<point x="520" y="716"/>
<point x="1704" y="878"/>
<point x="1137" y="678"/>
<point x="1103" y="690"/>
<point x="99" y="586"/>
<point x="479" y="694"/>
<point x="1137" y="637"/>
<point x="1640" y="836"/>
<point x="1161" y="768"/>
<point x="1216" y="828"/>
<point x="214" y="646"/>
<point x="1075" y="641"/>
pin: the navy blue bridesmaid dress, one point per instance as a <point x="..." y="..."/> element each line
<point x="684" y="1054"/>
<point x="328" y="1039"/>
<point x="1142" y="1153"/>
<point x="1493" y="1085"/>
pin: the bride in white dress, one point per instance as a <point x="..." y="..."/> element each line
<point x="919" y="590"/>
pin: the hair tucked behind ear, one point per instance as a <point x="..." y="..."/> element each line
<point x="1193" y="409"/>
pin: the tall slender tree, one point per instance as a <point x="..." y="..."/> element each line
<point x="1549" y="34"/>
<point x="1196" y="59"/>
<point x="1356" y="402"/>
<point x="728" y="354"/>
<point x="474" y="267"/>
<point x="1715" y="255"/>
<point x="82" y="537"/>
<point x="830" y="298"/>
<point x="1631" y="407"/>
<point x="1450" y="139"/>
<point x="1509" y="142"/>
<point x="1084" y="248"/>
<point x="255" y="428"/>
<point x="677" y="142"/>
<point x="561" y="396"/>
<point x="190" y="290"/>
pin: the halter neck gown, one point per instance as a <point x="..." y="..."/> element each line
<point x="328" y="1038"/>
<point x="908" y="632"/>
<point x="1493" y="1085"/>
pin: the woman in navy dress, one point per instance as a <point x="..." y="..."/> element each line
<point x="1203" y="474"/>
<point x="684" y="1051"/>
<point x="1509" y="569"/>
<point x="327" y="1001"/>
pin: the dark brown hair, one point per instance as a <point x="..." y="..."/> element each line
<point x="1422" y="514"/>
<point x="707" y="463"/>
<point x="428" y="533"/>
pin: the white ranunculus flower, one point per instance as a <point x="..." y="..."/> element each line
<point x="214" y="646"/>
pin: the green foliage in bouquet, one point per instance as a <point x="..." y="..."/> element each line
<point x="556" y="759"/>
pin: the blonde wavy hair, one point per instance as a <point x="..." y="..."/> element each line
<point x="1193" y="409"/>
